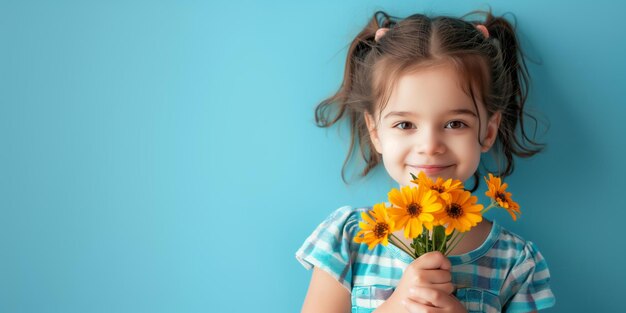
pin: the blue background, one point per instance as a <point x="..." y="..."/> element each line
<point x="161" y="156"/>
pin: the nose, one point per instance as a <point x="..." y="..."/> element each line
<point x="430" y="142"/>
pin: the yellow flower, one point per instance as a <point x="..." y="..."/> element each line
<point x="440" y="186"/>
<point x="497" y="192"/>
<point x="460" y="211"/>
<point x="376" y="228"/>
<point x="413" y="209"/>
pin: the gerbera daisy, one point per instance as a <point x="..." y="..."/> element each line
<point x="497" y="192"/>
<point x="376" y="228"/>
<point x="413" y="209"/>
<point x="460" y="211"/>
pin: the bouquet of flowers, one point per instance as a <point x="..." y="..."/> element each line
<point x="434" y="214"/>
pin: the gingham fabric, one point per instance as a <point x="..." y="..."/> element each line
<point x="504" y="274"/>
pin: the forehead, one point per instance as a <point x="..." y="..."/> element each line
<point x="434" y="88"/>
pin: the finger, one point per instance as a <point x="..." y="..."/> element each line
<point x="446" y="265"/>
<point x="434" y="297"/>
<point x="433" y="277"/>
<point x="419" y="300"/>
<point x="432" y="260"/>
<point x="448" y="288"/>
<point x="415" y="307"/>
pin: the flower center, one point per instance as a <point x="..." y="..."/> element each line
<point x="380" y="230"/>
<point x="502" y="201"/>
<point x="414" y="209"/>
<point x="438" y="189"/>
<point x="454" y="210"/>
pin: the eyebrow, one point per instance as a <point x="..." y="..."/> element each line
<point x="454" y="112"/>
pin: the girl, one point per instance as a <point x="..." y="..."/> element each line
<point x="429" y="94"/>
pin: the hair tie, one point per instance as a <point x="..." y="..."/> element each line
<point x="380" y="32"/>
<point x="483" y="29"/>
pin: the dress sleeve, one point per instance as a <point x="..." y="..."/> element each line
<point x="331" y="247"/>
<point x="529" y="282"/>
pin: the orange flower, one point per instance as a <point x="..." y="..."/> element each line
<point x="497" y="192"/>
<point x="376" y="228"/>
<point x="413" y="209"/>
<point x="460" y="211"/>
<point x="439" y="186"/>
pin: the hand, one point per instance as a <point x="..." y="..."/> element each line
<point x="437" y="301"/>
<point x="431" y="270"/>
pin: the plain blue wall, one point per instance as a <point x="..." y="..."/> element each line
<point x="161" y="156"/>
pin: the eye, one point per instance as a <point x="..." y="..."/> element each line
<point x="404" y="125"/>
<point x="456" y="124"/>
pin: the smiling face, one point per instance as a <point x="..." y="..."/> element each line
<point x="431" y="125"/>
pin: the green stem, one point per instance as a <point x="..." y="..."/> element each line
<point x="455" y="235"/>
<point x="401" y="245"/>
<point x="425" y="238"/>
<point x="455" y="243"/>
<point x="492" y="205"/>
<point x="443" y="245"/>
<point x="432" y="238"/>
<point x="446" y="245"/>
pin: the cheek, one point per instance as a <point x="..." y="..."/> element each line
<point x="468" y="148"/>
<point x="472" y="154"/>
<point x="396" y="148"/>
<point x="395" y="151"/>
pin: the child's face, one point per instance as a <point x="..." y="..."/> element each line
<point x="437" y="134"/>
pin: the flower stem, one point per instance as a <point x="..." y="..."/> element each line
<point x="492" y="205"/>
<point x="401" y="245"/>
<point x="455" y="235"/>
<point x="432" y="240"/>
<point x="455" y="243"/>
<point x="441" y="244"/>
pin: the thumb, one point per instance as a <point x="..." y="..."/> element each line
<point x="433" y="260"/>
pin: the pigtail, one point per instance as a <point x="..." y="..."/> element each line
<point x="352" y="99"/>
<point x="514" y="92"/>
<point x="359" y="48"/>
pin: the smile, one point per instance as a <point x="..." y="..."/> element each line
<point x="431" y="170"/>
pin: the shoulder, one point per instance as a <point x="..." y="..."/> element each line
<point x="346" y="217"/>
<point x="347" y="212"/>
<point x="331" y="246"/>
<point x="527" y="261"/>
<point x="514" y="247"/>
<point x="343" y="221"/>
<point x="526" y="284"/>
<point x="509" y="241"/>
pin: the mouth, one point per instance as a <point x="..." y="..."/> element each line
<point x="432" y="170"/>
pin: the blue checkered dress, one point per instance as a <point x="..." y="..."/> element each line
<point x="506" y="273"/>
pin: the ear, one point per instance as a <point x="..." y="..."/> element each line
<point x="492" y="131"/>
<point x="371" y="127"/>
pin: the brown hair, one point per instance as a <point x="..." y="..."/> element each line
<point x="490" y="68"/>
